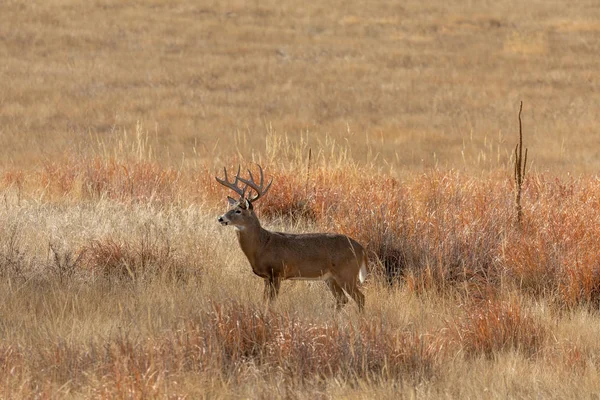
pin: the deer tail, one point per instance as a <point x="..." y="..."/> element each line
<point x="362" y="274"/>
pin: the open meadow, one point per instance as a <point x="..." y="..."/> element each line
<point x="392" y="122"/>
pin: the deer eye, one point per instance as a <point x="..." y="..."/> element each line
<point x="238" y="211"/>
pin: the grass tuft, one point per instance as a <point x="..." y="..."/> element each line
<point x="306" y="349"/>
<point x="146" y="256"/>
<point x="497" y="326"/>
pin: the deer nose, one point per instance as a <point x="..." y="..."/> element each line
<point x="220" y="219"/>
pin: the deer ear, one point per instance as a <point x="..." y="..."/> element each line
<point x="248" y="204"/>
<point x="231" y="201"/>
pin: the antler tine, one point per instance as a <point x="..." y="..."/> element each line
<point x="265" y="190"/>
<point x="259" y="189"/>
<point x="237" y="178"/>
<point x="233" y="185"/>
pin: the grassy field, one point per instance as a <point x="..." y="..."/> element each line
<point x="391" y="122"/>
<point x="417" y="85"/>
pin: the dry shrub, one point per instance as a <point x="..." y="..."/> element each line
<point x="290" y="198"/>
<point x="238" y="334"/>
<point x="436" y="230"/>
<point x="428" y="279"/>
<point x="200" y="186"/>
<point x="223" y="341"/>
<point x="59" y="179"/>
<point x="109" y="179"/>
<point x="393" y="261"/>
<point x="440" y="229"/>
<point x="530" y="263"/>
<point x="137" y="181"/>
<point x="119" y="368"/>
<point x="13" y="254"/>
<point x="12" y="368"/>
<point x="14" y="178"/>
<point x="132" y="369"/>
<point x="10" y="356"/>
<point x="445" y="229"/>
<point x="554" y="254"/>
<point x="109" y="256"/>
<point x="493" y="326"/>
<point x="580" y="283"/>
<point x="572" y="357"/>
<point x="148" y="255"/>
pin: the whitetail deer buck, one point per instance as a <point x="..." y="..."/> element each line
<point x="275" y="256"/>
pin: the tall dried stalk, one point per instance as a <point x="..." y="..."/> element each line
<point x="308" y="173"/>
<point x="520" y="165"/>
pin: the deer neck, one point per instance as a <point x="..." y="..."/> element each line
<point x="251" y="238"/>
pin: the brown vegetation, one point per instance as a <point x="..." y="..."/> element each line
<point x="117" y="281"/>
<point x="142" y="292"/>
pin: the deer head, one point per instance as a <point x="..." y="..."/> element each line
<point x="241" y="213"/>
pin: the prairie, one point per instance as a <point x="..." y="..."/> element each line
<point x="392" y="122"/>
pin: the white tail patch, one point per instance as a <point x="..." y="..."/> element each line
<point x="362" y="274"/>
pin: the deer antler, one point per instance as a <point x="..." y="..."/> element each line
<point x="233" y="185"/>
<point x="259" y="189"/>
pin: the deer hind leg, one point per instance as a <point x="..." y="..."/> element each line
<point x="357" y="296"/>
<point x="338" y="293"/>
<point x="351" y="287"/>
<point x="272" y="285"/>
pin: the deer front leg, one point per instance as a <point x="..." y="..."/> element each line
<point x="272" y="285"/>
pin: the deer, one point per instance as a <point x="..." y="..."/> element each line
<point x="337" y="259"/>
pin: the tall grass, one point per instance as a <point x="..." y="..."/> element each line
<point x="135" y="291"/>
<point x="435" y="230"/>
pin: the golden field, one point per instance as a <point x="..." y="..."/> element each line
<point x="392" y="122"/>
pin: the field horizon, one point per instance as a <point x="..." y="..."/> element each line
<point x="417" y="86"/>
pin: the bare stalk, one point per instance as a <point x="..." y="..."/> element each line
<point x="308" y="173"/>
<point x="520" y="166"/>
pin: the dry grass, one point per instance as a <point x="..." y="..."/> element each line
<point x="417" y="85"/>
<point x="388" y="123"/>
<point x="128" y="293"/>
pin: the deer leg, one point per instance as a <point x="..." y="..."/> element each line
<point x="352" y="289"/>
<point x="272" y="285"/>
<point x="357" y="296"/>
<point x="338" y="293"/>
